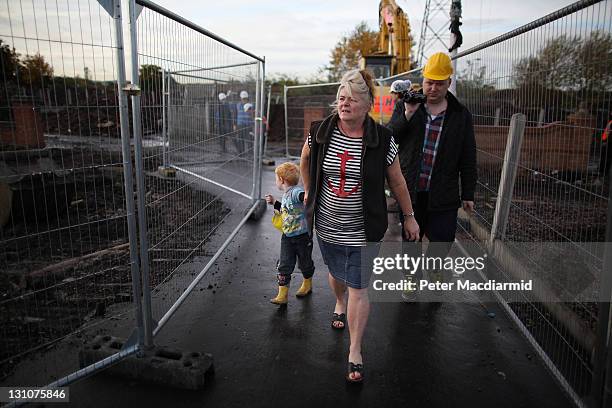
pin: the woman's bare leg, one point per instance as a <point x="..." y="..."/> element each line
<point x="358" y="312"/>
<point x="339" y="290"/>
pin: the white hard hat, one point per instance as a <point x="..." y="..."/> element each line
<point x="400" y="85"/>
<point x="244" y="94"/>
<point x="247" y="106"/>
<point x="222" y="96"/>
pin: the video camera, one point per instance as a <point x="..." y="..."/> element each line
<point x="410" y="96"/>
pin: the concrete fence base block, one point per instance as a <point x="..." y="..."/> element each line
<point x="260" y="210"/>
<point x="166" y="171"/>
<point x="159" y="365"/>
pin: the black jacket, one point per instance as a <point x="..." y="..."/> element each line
<point x="398" y="110"/>
<point x="456" y="155"/>
<point x="376" y="140"/>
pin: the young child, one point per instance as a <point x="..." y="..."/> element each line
<point x="295" y="242"/>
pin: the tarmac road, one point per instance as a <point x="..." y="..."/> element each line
<point x="417" y="355"/>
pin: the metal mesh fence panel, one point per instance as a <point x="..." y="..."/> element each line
<point x="199" y="107"/>
<point x="303" y="105"/>
<point x="64" y="250"/>
<point x="307" y="103"/>
<point x="555" y="71"/>
<point x="558" y="75"/>
<point x="68" y="245"/>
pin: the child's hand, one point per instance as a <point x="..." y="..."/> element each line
<point x="270" y="199"/>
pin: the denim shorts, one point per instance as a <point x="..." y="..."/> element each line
<point x="345" y="262"/>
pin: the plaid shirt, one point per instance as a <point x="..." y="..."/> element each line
<point x="433" y="128"/>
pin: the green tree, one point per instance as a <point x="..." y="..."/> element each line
<point x="150" y="78"/>
<point x="9" y="62"/>
<point x="594" y="58"/>
<point x="36" y="71"/>
<point x="283" y="79"/>
<point x="551" y="68"/>
<point x="347" y="52"/>
<point x="474" y="77"/>
<point x="566" y="63"/>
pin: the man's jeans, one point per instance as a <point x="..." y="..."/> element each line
<point x="438" y="226"/>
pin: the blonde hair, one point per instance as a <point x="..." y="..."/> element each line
<point x="356" y="81"/>
<point x="289" y="172"/>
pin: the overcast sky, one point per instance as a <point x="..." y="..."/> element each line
<point x="296" y="37"/>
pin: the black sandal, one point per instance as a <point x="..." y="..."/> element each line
<point x="338" y="318"/>
<point x="354" y="368"/>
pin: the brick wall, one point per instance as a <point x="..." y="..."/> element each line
<point x="26" y="129"/>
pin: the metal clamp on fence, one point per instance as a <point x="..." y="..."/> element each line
<point x="131" y="90"/>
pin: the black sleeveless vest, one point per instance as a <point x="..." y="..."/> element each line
<point x="376" y="140"/>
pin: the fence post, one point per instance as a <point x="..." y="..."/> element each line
<point x="286" y="121"/>
<point x="140" y="187"/>
<point x="607" y="392"/>
<point x="508" y="175"/>
<point x="128" y="182"/>
<point x="256" y="129"/>
<point x="262" y="139"/>
<point x="168" y="117"/>
<point x="541" y="117"/>
<point x="601" y="388"/>
<point x="264" y="153"/>
<point x="497" y="116"/>
<point x="380" y="99"/>
<point x="164" y="123"/>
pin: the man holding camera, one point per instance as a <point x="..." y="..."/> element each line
<point x="437" y="151"/>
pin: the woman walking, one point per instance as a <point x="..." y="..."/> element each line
<point x="344" y="164"/>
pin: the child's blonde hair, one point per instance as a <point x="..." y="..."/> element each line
<point x="289" y="172"/>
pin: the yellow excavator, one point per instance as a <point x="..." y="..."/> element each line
<point x="393" y="55"/>
<point x="394" y="35"/>
<point x="394" y="42"/>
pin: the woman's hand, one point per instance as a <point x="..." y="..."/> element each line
<point x="270" y="199"/>
<point x="411" y="229"/>
<point x="305" y="168"/>
<point x="468" y="207"/>
<point x="397" y="183"/>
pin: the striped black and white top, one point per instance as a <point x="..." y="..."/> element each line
<point x="339" y="215"/>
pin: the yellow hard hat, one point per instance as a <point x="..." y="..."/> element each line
<point x="438" y="67"/>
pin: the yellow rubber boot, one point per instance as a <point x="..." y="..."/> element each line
<point x="305" y="289"/>
<point x="281" y="298"/>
